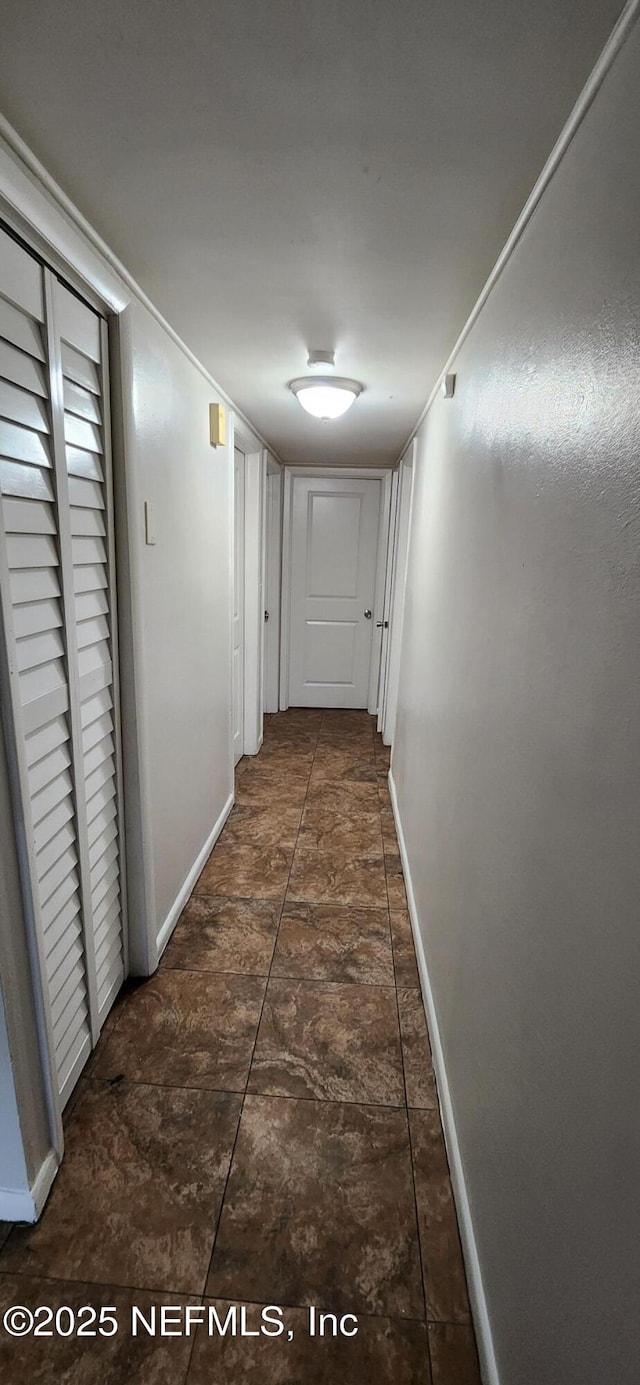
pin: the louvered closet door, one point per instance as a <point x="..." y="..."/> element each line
<point x="60" y="685"/>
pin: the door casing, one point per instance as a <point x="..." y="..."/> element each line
<point x="378" y="473"/>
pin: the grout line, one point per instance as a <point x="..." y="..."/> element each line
<point x="255" y="1042"/>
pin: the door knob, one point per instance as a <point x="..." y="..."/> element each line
<point x="367" y="614"/>
<point x="382" y="624"/>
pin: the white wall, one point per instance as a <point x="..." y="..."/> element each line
<point x="183" y="591"/>
<point x="516" y="762"/>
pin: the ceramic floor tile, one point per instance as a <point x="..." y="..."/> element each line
<point x="273" y="791"/>
<point x="416" y="1051"/>
<point x="73" y="1360"/>
<point x="404" y="953"/>
<point x="138" y="1194"/>
<point x="454" y="1360"/>
<point x="444" y="1276"/>
<point x="214" y="934"/>
<point x="328" y="943"/>
<point x="287" y="756"/>
<point x="334" y="765"/>
<point x="347" y="796"/>
<point x="255" y="826"/>
<point x="319" y="1209"/>
<point x="246" y="872"/>
<point x="326" y="830"/>
<point x="389" y="835"/>
<point x="330" y="877"/>
<point x="330" y="1042"/>
<point x="395" y="880"/>
<point x="384" y="1351"/>
<point x="187" y="1029"/>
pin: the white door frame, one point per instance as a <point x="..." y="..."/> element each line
<point x="406" y="482"/>
<point x="383" y="474"/>
<point x="272" y="586"/>
<point x="387" y="603"/>
<point x="254" y="488"/>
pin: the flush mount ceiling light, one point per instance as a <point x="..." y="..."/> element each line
<point x="325" y="396"/>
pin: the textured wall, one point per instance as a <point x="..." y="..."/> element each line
<point x="516" y="761"/>
<point x="185" y="603"/>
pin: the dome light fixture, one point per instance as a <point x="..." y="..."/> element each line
<point x="325" y="396"/>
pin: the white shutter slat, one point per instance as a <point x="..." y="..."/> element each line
<point x="71" y="1033"/>
<point x="51" y="853"/>
<point x="87" y="552"/>
<point x="45" y="739"/>
<point x="24" y="444"/>
<point x="94" y="603"/>
<point x="77" y="367"/>
<point x="106" y="924"/>
<point x="109" y="985"/>
<point x="85" y="522"/>
<point x="91" y="577"/>
<point x="58" y="874"/>
<point x="41" y="681"/>
<point x="67" y="924"/>
<point x="87" y="495"/>
<point x="107" y="904"/>
<point x="103" y="795"/>
<point x="37" y="617"/>
<point x="28" y="516"/>
<point x="71" y="1067"/>
<point x="78" y="325"/>
<point x="19" y="329"/>
<point x="51" y="796"/>
<point x="79" y="432"/>
<point x="94" y="631"/>
<point x="22" y="479"/>
<point x="104" y="863"/>
<point x="85" y="465"/>
<point x="49" y="767"/>
<point x="21" y="277"/>
<point x="101" y="821"/>
<point x="21" y="369"/>
<point x="20" y="406"/>
<point x="45" y="705"/>
<point x="68" y="954"/>
<point x="96" y="731"/>
<point x="109" y="834"/>
<point x="98" y="754"/>
<point x="99" y="778"/>
<point x="34" y="585"/>
<point x="110" y="877"/>
<point x="52" y="906"/>
<point x="108" y="950"/>
<point x="95" y="707"/>
<point x="51" y="822"/>
<point x="35" y="650"/>
<point x="68" y="992"/>
<point x="81" y="402"/>
<point x="95" y="657"/>
<point x="31" y="550"/>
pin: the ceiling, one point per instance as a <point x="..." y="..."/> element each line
<point x="280" y="175"/>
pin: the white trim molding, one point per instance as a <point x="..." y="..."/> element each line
<point x="488" y="1365"/>
<point x="186" y="889"/>
<point x="27" y="1205"/>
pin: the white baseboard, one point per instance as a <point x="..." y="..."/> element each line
<point x="18" y="1205"/>
<point x="488" y="1365"/>
<point x="186" y="888"/>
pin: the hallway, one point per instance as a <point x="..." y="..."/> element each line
<point x="259" y="1122"/>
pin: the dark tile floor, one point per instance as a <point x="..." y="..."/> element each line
<point x="259" y="1124"/>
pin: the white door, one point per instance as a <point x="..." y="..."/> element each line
<point x="59" y="665"/>
<point x="238" y="604"/>
<point x="386" y="611"/>
<point x="334" y="545"/>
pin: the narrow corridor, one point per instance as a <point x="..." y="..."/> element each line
<point x="259" y="1122"/>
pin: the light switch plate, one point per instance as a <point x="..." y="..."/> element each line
<point x="149" y="522"/>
